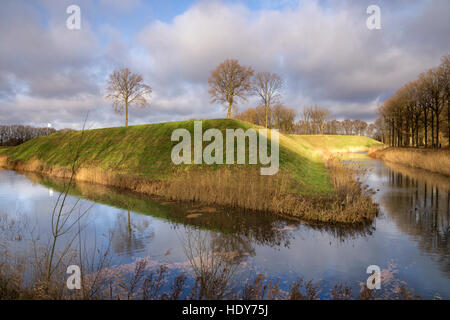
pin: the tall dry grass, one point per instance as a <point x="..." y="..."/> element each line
<point x="435" y="160"/>
<point x="352" y="198"/>
<point x="142" y="283"/>
<point x="3" y="160"/>
<point x="242" y="188"/>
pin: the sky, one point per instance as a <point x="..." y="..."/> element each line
<point x="322" y="49"/>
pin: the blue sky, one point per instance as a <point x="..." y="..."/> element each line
<point x="141" y="13"/>
<point x="321" y="48"/>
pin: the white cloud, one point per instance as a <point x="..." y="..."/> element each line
<point x="325" y="54"/>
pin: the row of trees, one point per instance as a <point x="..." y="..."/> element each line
<point x="16" y="134"/>
<point x="335" y="127"/>
<point x="277" y="117"/>
<point x="317" y="120"/>
<point x="314" y="120"/>
<point x="417" y="112"/>
<point x="230" y="81"/>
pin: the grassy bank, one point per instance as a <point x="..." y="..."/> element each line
<point x="336" y="143"/>
<point x="435" y="160"/>
<point x="138" y="158"/>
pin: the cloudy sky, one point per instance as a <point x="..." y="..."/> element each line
<point x="322" y="49"/>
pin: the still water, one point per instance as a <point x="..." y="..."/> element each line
<point x="409" y="240"/>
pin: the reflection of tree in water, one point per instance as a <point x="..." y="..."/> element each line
<point x="213" y="265"/>
<point x="421" y="207"/>
<point x="344" y="232"/>
<point x="260" y="228"/>
<point x="234" y="247"/>
<point x="129" y="236"/>
<point x="268" y="229"/>
<point x="265" y="229"/>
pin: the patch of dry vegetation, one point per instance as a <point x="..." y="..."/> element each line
<point x="435" y="160"/>
<point x="3" y="160"/>
<point x="242" y="188"/>
<point x="138" y="159"/>
<point x="142" y="283"/>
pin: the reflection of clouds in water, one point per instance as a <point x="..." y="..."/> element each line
<point x="131" y="233"/>
<point x="257" y="243"/>
<point x="27" y="195"/>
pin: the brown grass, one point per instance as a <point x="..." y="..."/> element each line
<point x="435" y="160"/>
<point x="242" y="188"/>
<point x="352" y="199"/>
<point x="3" y="161"/>
<point x="144" y="284"/>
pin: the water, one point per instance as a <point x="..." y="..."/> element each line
<point x="409" y="240"/>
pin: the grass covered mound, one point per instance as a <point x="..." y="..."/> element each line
<point x="145" y="151"/>
<point x="139" y="158"/>
<point x="336" y="143"/>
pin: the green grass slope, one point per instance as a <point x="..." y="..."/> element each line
<point x="145" y="151"/>
<point x="336" y="143"/>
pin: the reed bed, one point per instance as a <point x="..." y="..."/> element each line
<point x="243" y="188"/>
<point x="435" y="160"/>
<point x="3" y="161"/>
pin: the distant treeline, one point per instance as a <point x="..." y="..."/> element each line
<point x="314" y="120"/>
<point x="14" y="135"/>
<point x="418" y="114"/>
<point x="279" y="117"/>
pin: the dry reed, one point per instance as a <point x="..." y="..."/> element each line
<point x="3" y="160"/>
<point x="435" y="160"/>
<point x="242" y="188"/>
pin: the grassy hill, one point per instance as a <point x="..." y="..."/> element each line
<point x="145" y="151"/>
<point x="139" y="158"/>
<point x="336" y="143"/>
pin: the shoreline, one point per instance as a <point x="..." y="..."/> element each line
<point x="433" y="160"/>
<point x="311" y="184"/>
<point x="267" y="193"/>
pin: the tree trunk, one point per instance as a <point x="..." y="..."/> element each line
<point x="417" y="132"/>
<point x="432" y="129"/>
<point x="229" y="110"/>
<point x="267" y="116"/>
<point x="392" y="135"/>
<point x="129" y="222"/>
<point x="426" y="128"/>
<point x="411" y="134"/>
<point x="448" y="120"/>
<point x="437" y="130"/>
<point x="126" y="114"/>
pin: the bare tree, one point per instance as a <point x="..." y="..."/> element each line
<point x="268" y="86"/>
<point x="126" y="88"/>
<point x="417" y="108"/>
<point x="359" y="126"/>
<point x="348" y="126"/>
<point x="315" y="119"/>
<point x="283" y="118"/>
<point x="319" y="117"/>
<point x="433" y="92"/>
<point x="444" y="79"/>
<point x="229" y="81"/>
<point x="13" y="135"/>
<point x="307" y="120"/>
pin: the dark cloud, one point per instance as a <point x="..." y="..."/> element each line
<point x="323" y="50"/>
